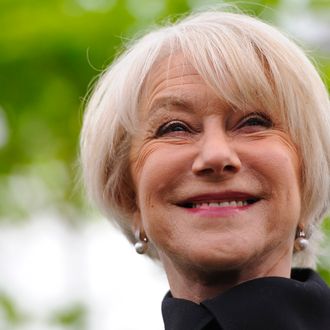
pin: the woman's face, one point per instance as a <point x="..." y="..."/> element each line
<point x="217" y="189"/>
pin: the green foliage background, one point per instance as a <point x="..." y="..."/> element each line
<point x="50" y="52"/>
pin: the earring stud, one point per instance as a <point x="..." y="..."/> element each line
<point x="301" y="242"/>
<point x="141" y="246"/>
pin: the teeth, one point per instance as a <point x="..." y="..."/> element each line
<point x="220" y="204"/>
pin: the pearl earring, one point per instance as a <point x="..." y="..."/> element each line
<point x="141" y="245"/>
<point x="301" y="242"/>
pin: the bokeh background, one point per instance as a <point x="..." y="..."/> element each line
<point x="62" y="265"/>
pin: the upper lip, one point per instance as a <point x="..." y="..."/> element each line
<point x="219" y="197"/>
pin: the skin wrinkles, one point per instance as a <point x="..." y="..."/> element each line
<point x="284" y="138"/>
<point x="180" y="74"/>
<point x="178" y="81"/>
<point x="220" y="149"/>
<point x="152" y="146"/>
<point x="161" y="106"/>
<point x="166" y="113"/>
<point x="140" y="156"/>
<point x="177" y="72"/>
<point x="209" y="280"/>
<point x="180" y="99"/>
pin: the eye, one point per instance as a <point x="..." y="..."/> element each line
<point x="172" y="127"/>
<point x="255" y="120"/>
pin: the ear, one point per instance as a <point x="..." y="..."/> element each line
<point x="302" y="222"/>
<point x="137" y="221"/>
<point x="303" y="227"/>
<point x="138" y="228"/>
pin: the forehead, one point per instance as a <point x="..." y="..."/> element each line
<point x="172" y="78"/>
<point x="171" y="67"/>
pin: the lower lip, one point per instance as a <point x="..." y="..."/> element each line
<point x="209" y="211"/>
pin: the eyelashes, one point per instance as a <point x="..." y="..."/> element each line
<point x="174" y="126"/>
<point x="253" y="122"/>
<point x="255" y="119"/>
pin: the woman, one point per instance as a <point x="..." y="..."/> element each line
<point x="208" y="143"/>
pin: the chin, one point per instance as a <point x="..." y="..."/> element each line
<point x="215" y="261"/>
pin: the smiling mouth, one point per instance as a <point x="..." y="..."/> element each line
<point x="218" y="204"/>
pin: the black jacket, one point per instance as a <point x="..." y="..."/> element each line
<point x="270" y="303"/>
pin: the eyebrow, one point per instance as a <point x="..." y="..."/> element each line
<point x="168" y="102"/>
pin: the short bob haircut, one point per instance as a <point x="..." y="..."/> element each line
<point x="265" y="70"/>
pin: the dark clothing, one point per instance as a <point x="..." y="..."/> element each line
<point x="269" y="303"/>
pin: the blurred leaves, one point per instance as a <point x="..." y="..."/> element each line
<point x="72" y="318"/>
<point x="50" y="51"/>
<point x="10" y="316"/>
<point x="324" y="265"/>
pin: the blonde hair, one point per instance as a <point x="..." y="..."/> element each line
<point x="265" y="69"/>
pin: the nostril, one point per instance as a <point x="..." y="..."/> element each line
<point x="207" y="171"/>
<point x="229" y="168"/>
<point x="218" y="171"/>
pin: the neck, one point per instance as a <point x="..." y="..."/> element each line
<point x="197" y="285"/>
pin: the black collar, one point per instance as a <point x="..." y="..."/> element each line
<point x="272" y="303"/>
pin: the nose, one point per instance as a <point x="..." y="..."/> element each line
<point x="216" y="155"/>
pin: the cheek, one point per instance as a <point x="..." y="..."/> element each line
<point x="284" y="166"/>
<point x="139" y="159"/>
<point x="277" y="157"/>
<point x="156" y="165"/>
<point x="279" y="168"/>
<point x="158" y="169"/>
<point x="149" y="170"/>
